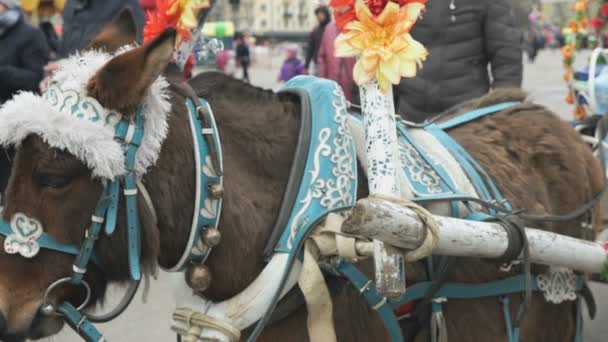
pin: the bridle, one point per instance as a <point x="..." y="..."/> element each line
<point x="25" y="236"/>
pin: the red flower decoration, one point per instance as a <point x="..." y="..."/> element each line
<point x="604" y="10"/>
<point x="597" y="23"/>
<point x="160" y="20"/>
<point x="344" y="10"/>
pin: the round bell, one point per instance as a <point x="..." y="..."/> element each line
<point x="216" y="190"/>
<point x="212" y="237"/>
<point x="198" y="277"/>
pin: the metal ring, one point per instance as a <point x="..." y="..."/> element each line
<point x="62" y="281"/>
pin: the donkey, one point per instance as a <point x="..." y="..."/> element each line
<point x="538" y="161"/>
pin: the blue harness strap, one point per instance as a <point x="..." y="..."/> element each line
<point x="131" y="132"/>
<point x="475" y="114"/>
<point x="80" y="323"/>
<point x="375" y="301"/>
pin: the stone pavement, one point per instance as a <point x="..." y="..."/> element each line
<point x="150" y="322"/>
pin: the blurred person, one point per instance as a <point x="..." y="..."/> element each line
<point x="243" y="57"/>
<point x="314" y="41"/>
<point x="52" y="38"/>
<point x="84" y="19"/>
<point x="464" y="38"/>
<point x="292" y="66"/>
<point x="24" y="52"/>
<point x="22" y="58"/>
<point x="335" y="68"/>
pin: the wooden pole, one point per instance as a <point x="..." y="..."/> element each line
<point x="402" y="227"/>
<point x="381" y="142"/>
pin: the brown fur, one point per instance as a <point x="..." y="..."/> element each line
<point x="538" y="161"/>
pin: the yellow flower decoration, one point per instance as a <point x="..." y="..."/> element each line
<point x="387" y="50"/>
<point x="188" y="12"/>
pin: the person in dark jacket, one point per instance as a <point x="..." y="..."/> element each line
<point x="463" y="38"/>
<point x="24" y="52"/>
<point x="243" y="57"/>
<point x="316" y="36"/>
<point x="22" y="58"/>
<point x="84" y="19"/>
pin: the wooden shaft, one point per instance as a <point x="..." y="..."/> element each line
<point x="400" y="226"/>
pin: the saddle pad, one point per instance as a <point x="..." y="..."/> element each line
<point x="420" y="155"/>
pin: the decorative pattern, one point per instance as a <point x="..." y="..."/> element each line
<point x="24" y="240"/>
<point x="333" y="172"/>
<point x="381" y="139"/>
<point x="418" y="169"/>
<point x="558" y="285"/>
<point x="71" y="102"/>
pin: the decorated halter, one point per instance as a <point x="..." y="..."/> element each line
<point x="118" y="149"/>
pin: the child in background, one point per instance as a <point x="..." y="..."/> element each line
<point x="292" y="66"/>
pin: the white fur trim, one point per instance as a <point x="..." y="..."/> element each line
<point x="91" y="142"/>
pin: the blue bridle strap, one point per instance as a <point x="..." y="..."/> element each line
<point x="80" y="323"/>
<point x="91" y="236"/>
<point x="47" y="242"/>
<point x="131" y="132"/>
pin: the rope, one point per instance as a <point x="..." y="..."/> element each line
<point x="432" y="236"/>
<point x="196" y="322"/>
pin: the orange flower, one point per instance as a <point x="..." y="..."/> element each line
<point x="387" y="51"/>
<point x="344" y="10"/>
<point x="569" y="98"/>
<point x="580" y="113"/>
<point x="580" y="6"/>
<point x="187" y="10"/>
<point x="567" y="51"/>
<point x="573" y="26"/>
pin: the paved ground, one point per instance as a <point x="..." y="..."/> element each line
<point x="150" y="322"/>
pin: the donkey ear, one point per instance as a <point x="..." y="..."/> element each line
<point x="123" y="82"/>
<point x="120" y="32"/>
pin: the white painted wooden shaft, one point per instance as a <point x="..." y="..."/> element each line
<point x="402" y="227"/>
<point x="382" y="152"/>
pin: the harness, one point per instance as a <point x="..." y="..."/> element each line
<point x="25" y="236"/>
<point x="431" y="183"/>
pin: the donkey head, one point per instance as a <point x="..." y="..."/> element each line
<point x="66" y="153"/>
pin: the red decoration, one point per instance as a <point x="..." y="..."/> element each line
<point x="597" y="23"/>
<point x="344" y="10"/>
<point x="405" y="309"/>
<point x="604" y="10"/>
<point x="160" y="20"/>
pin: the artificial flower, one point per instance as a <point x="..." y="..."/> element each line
<point x="387" y="51"/>
<point x="179" y="14"/>
<point x="187" y="11"/>
<point x="580" y="6"/>
<point x="344" y="10"/>
<point x="580" y="113"/>
<point x="567" y="51"/>
<point x="597" y="23"/>
<point x="570" y="98"/>
<point x="604" y="10"/>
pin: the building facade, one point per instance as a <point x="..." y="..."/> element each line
<point x="261" y="17"/>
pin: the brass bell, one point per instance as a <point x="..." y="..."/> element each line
<point x="216" y="190"/>
<point x="198" y="277"/>
<point x="212" y="237"/>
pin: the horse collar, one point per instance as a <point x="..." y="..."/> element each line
<point x="209" y="181"/>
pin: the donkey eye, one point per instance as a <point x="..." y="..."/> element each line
<point x="52" y="181"/>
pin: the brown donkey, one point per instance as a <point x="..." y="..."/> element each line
<point x="538" y="161"/>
